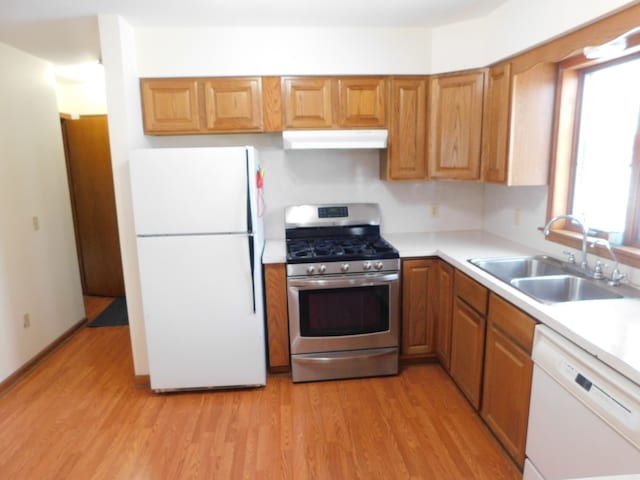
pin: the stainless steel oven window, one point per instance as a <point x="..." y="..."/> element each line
<point x="389" y="283"/>
<point x="344" y="311"/>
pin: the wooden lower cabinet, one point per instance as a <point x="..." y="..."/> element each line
<point x="419" y="301"/>
<point x="275" y="282"/>
<point x="444" y="313"/>
<point x="507" y="375"/>
<point x="467" y="350"/>
<point x="467" y="336"/>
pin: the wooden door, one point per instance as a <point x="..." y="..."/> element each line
<point x="93" y="201"/>
<point x="406" y="154"/>
<point x="496" y="124"/>
<point x="233" y="104"/>
<point x="444" y="313"/>
<point x="309" y="102"/>
<point x="467" y="350"/>
<point x="362" y="102"/>
<point x="170" y="105"/>
<point x="419" y="296"/>
<point x="455" y="127"/>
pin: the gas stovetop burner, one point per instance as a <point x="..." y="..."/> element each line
<point x="336" y="249"/>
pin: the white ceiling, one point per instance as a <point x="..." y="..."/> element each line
<point x="66" y="31"/>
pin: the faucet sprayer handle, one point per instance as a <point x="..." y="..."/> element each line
<point x="598" y="270"/>
<point x="571" y="256"/>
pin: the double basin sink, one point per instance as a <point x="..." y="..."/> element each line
<point x="548" y="280"/>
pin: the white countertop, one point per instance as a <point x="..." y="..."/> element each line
<point x="608" y="329"/>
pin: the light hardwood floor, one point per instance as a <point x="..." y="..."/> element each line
<point x="78" y="416"/>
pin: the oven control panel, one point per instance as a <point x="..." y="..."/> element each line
<point x="333" y="212"/>
<point x="343" y="268"/>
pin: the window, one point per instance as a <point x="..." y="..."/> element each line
<point x="597" y="156"/>
<point x="607" y="127"/>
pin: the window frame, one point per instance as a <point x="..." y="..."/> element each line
<point x="562" y="177"/>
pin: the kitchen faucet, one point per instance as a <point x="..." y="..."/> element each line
<point x="616" y="276"/>
<point x="585" y="231"/>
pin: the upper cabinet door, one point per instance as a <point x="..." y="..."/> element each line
<point x="456" y="106"/>
<point x="496" y="124"/>
<point x="406" y="154"/>
<point x="170" y="105"/>
<point x="233" y="104"/>
<point x="308" y="102"/>
<point x="362" y="102"/>
<point x="518" y="124"/>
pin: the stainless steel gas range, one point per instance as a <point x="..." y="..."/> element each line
<point x="343" y="289"/>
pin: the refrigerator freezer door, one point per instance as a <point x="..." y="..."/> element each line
<point x="198" y="302"/>
<point x="189" y="190"/>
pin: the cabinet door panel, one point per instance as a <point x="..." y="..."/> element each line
<point x="233" y="104"/>
<point x="362" y="102"/>
<point x="406" y="153"/>
<point x="444" y="314"/>
<point x="418" y="307"/>
<point x="507" y="387"/>
<point x="467" y="350"/>
<point x="456" y="106"/>
<point x="308" y="102"/>
<point x="496" y="124"/>
<point x="170" y="105"/>
<point x="275" y="282"/>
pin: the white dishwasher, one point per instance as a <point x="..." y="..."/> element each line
<point x="584" y="418"/>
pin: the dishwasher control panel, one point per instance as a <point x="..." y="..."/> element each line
<point x="598" y="395"/>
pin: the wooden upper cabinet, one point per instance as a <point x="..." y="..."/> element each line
<point x="170" y="105"/>
<point x="309" y="102"/>
<point x="178" y="106"/>
<point x="455" y="125"/>
<point x="362" y="102"/>
<point x="518" y="124"/>
<point x="405" y="158"/>
<point x="233" y="104"/>
<point x="496" y="123"/>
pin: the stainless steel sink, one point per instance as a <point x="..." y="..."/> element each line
<point x="508" y="268"/>
<point x="548" y="280"/>
<point x="562" y="288"/>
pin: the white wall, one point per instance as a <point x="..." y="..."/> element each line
<point x="220" y="51"/>
<point x="125" y="133"/>
<point x="297" y="177"/>
<point x="515" y="26"/>
<point x="39" y="272"/>
<point x="82" y="97"/>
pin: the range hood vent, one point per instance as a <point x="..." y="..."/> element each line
<point x="334" y="139"/>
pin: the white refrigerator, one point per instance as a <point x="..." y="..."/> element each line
<point x="200" y="243"/>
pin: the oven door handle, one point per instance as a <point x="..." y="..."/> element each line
<point x="344" y="281"/>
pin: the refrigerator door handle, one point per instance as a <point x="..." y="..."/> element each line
<point x="253" y="273"/>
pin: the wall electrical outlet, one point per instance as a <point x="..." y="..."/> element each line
<point x="26" y="320"/>
<point x="516" y="217"/>
<point x="435" y="210"/>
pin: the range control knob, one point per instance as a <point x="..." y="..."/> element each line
<point x="344" y="268"/>
<point x="311" y="269"/>
<point x="378" y="265"/>
<point x="366" y="266"/>
<point x="322" y="268"/>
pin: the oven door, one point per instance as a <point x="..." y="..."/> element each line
<point x="343" y="312"/>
